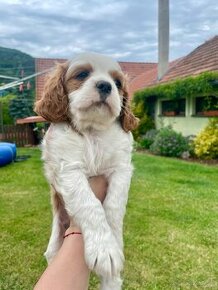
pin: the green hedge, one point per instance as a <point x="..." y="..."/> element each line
<point x="143" y="102"/>
<point x="201" y="85"/>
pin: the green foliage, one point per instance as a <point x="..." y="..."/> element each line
<point x="22" y="106"/>
<point x="15" y="63"/>
<point x="191" y="145"/>
<point x="148" y="139"/>
<point x="206" y="142"/>
<point x="143" y="102"/>
<point x="210" y="103"/>
<point x="166" y="243"/>
<point x="4" y="106"/>
<point x="145" y="122"/>
<point x="13" y="60"/>
<point x="169" y="143"/>
<point x="202" y="85"/>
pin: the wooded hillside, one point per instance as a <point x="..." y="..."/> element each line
<point x="15" y="63"/>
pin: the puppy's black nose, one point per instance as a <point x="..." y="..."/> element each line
<point x="104" y="88"/>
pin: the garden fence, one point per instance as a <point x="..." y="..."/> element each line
<point x="21" y="135"/>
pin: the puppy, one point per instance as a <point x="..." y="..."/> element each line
<point x="86" y="101"/>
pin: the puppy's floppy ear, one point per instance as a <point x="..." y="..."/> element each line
<point x="53" y="106"/>
<point x="128" y="121"/>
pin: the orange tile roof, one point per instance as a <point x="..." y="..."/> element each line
<point x="203" y="58"/>
<point x="42" y="64"/>
<point x="132" y="69"/>
<point x="145" y="79"/>
<point x="141" y="74"/>
<point x="148" y="78"/>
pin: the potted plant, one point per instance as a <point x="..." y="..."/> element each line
<point x="211" y="106"/>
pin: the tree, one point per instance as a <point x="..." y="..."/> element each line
<point x="5" y="117"/>
<point x="22" y="105"/>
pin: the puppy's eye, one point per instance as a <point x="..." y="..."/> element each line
<point x="82" y="75"/>
<point x="118" y="83"/>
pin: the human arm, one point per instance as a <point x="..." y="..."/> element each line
<point x="102" y="253"/>
<point x="68" y="270"/>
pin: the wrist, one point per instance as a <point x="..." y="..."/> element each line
<point x="72" y="229"/>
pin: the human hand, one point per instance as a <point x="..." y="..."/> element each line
<point x="99" y="186"/>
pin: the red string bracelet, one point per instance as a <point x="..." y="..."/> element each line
<point x="73" y="233"/>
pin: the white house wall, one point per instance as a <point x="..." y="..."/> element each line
<point x="187" y="125"/>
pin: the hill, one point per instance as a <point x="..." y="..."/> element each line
<point x="14" y="102"/>
<point x="15" y="63"/>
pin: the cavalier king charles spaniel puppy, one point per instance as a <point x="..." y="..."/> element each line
<point x="87" y="103"/>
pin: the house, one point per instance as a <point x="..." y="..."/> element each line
<point x="184" y="109"/>
<point x="132" y="69"/>
<point x="187" y="94"/>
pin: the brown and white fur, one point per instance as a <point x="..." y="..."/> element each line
<point x="87" y="103"/>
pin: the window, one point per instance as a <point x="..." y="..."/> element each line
<point x="173" y="107"/>
<point x="206" y="106"/>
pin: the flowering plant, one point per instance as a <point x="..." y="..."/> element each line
<point x="206" y="142"/>
<point x="169" y="143"/>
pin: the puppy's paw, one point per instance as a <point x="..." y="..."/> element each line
<point x="104" y="256"/>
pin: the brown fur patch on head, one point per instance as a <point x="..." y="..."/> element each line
<point x="53" y="106"/>
<point x="128" y="121"/>
<point x="72" y="81"/>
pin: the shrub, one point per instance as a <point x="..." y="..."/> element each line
<point x="145" y="123"/>
<point x="4" y="107"/>
<point x="190" y="139"/>
<point x="148" y="139"/>
<point x="136" y="146"/>
<point x="206" y="142"/>
<point x="169" y="143"/>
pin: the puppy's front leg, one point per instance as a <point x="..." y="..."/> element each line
<point x="102" y="253"/>
<point x="115" y="208"/>
<point x="116" y="200"/>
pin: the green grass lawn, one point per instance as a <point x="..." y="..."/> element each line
<point x="171" y="226"/>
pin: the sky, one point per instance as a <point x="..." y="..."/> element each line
<point x="123" y="29"/>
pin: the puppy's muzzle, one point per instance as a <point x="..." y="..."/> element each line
<point x="104" y="88"/>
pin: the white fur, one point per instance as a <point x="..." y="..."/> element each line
<point x="84" y="113"/>
<point x="70" y="159"/>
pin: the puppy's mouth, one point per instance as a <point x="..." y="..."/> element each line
<point x="98" y="105"/>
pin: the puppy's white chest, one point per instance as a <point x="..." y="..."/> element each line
<point x="97" y="156"/>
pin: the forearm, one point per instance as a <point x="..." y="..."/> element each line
<point x="63" y="272"/>
<point x="81" y="203"/>
<point x="68" y="270"/>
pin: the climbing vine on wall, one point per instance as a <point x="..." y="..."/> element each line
<point x="143" y="103"/>
<point x="201" y="85"/>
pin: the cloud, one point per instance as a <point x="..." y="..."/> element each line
<point x="124" y="29"/>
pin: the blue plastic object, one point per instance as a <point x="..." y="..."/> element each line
<point x="8" y="152"/>
<point x="12" y="146"/>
